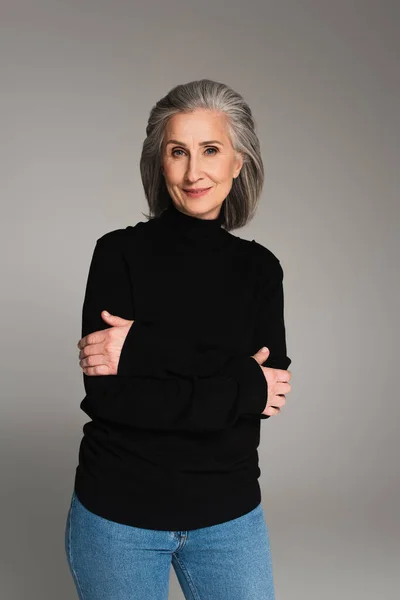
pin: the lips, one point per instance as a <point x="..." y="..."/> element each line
<point x="196" y="192"/>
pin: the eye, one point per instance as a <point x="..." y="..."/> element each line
<point x="215" y="151"/>
<point x="176" y="150"/>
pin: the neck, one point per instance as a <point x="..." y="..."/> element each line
<point x="194" y="230"/>
<point x="192" y="220"/>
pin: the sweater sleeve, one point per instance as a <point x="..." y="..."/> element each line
<point x="270" y="325"/>
<point x="165" y="400"/>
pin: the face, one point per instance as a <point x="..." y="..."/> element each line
<point x="198" y="153"/>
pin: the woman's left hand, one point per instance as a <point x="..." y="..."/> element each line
<point x="100" y="351"/>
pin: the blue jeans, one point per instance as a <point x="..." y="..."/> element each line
<point x="111" y="561"/>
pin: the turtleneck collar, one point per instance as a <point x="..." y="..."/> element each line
<point x="207" y="233"/>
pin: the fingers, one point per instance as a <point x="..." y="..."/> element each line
<point x="94" y="360"/>
<point x="282" y="388"/>
<point x="97" y="370"/>
<point x="279" y="386"/>
<point x="91" y="350"/>
<point x="271" y="411"/>
<point x="97" y="337"/>
<point x="94" y="355"/>
<point x="277" y="401"/>
<point x="94" y="364"/>
<point x="282" y="375"/>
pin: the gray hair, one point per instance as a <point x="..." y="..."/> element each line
<point x="240" y="204"/>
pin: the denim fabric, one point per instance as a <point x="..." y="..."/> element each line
<point x="111" y="561"/>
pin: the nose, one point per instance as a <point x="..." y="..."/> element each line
<point x="193" y="169"/>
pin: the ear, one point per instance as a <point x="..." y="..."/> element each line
<point x="238" y="164"/>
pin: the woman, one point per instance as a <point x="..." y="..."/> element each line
<point x="176" y="379"/>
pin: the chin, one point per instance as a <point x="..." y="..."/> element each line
<point x="206" y="209"/>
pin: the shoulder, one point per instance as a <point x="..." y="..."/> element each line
<point x="262" y="255"/>
<point x="269" y="267"/>
<point x="263" y="263"/>
<point x="267" y="258"/>
<point x="117" y="238"/>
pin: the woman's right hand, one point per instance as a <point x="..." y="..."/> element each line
<point x="277" y="382"/>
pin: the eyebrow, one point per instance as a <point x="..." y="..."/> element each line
<point x="201" y="143"/>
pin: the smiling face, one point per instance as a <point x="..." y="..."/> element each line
<point x="197" y="153"/>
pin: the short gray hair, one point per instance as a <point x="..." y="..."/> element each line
<point x="240" y="204"/>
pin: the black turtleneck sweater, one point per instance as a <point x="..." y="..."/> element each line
<point x="173" y="437"/>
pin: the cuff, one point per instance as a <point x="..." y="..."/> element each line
<point x="138" y="352"/>
<point x="253" y="387"/>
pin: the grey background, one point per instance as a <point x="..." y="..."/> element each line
<point x="78" y="79"/>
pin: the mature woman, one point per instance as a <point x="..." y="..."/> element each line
<point x="176" y="375"/>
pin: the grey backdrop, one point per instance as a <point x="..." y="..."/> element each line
<point x="78" y="79"/>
